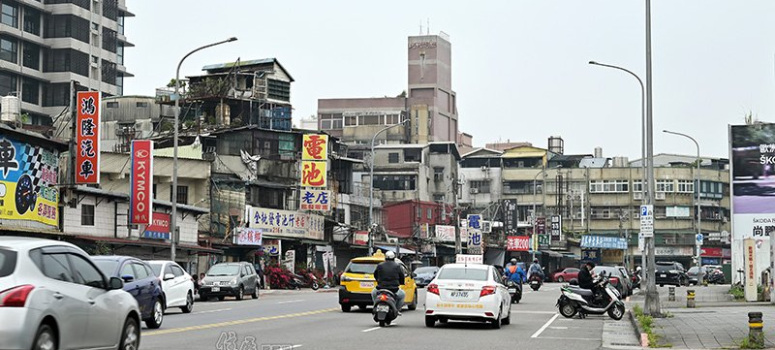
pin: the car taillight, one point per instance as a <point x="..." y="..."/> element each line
<point x="433" y="289"/>
<point x="487" y="290"/>
<point x="16" y="296"/>
<point x="614" y="280"/>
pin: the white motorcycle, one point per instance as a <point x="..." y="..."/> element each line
<point x="584" y="301"/>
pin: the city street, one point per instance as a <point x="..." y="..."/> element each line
<point x="310" y="320"/>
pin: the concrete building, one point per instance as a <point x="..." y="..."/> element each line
<point x="125" y="118"/>
<point x="481" y="175"/>
<point x="44" y="46"/>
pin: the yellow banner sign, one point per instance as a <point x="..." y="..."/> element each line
<point x="315" y="147"/>
<point x="314" y="174"/>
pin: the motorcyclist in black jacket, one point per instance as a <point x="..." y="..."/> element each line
<point x="390" y="276"/>
<point x="585" y="276"/>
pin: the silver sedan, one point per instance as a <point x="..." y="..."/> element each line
<point x="53" y="297"/>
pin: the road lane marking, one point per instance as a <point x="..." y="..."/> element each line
<point x="543" y="328"/>
<point x="209" y="311"/>
<point x="236" y="322"/>
<point x="370" y="329"/>
<point x="290" y="301"/>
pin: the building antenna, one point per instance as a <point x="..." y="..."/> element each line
<point x="420" y="27"/>
<point x="428" y="28"/>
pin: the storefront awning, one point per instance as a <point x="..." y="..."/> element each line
<point x="552" y="254"/>
<point x="150" y="244"/>
<point x="393" y="249"/>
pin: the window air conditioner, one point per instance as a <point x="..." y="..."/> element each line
<point x="660" y="196"/>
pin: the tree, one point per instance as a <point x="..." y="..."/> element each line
<point x="171" y="84"/>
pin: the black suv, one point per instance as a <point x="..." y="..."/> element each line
<point x="671" y="272"/>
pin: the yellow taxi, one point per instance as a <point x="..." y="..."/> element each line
<point x="357" y="282"/>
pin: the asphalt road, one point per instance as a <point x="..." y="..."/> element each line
<point x="310" y="320"/>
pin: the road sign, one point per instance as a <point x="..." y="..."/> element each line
<point x="699" y="239"/>
<point x="641" y="242"/>
<point x="647" y="220"/>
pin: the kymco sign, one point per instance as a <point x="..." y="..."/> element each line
<point x="141" y="180"/>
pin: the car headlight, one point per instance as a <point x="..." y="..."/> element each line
<point x="346" y="278"/>
<point x="234" y="281"/>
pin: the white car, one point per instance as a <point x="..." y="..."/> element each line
<point x="52" y="296"/>
<point x="471" y="292"/>
<point x="177" y="285"/>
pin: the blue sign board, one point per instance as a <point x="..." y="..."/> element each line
<point x="605" y="242"/>
<point x="592" y="255"/>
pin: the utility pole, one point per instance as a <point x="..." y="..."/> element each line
<point x="652" y="306"/>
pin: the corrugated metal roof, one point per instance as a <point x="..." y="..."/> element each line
<point x="531" y="154"/>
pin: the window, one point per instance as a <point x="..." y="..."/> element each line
<point x="115" y="105"/>
<point x="637" y="185"/>
<point x="437" y="197"/>
<point x="685" y="186"/>
<point x="419" y="212"/>
<point x="121" y="25"/>
<point x="128" y="271"/>
<point x="120" y="54"/>
<point x="429" y="213"/>
<point x="438" y="174"/>
<point x="140" y="272"/>
<point x="395" y="182"/>
<point x="167" y="270"/>
<point x="245" y="270"/>
<point x="393" y="158"/>
<point x="8" y="49"/>
<point x="57" y="267"/>
<point x="609" y="186"/>
<point x="141" y="104"/>
<point x="7" y="84"/>
<point x="182" y="195"/>
<point x="522" y="187"/>
<point x="10" y="15"/>
<point x="177" y="271"/>
<point x="31" y="21"/>
<point x="280" y="90"/>
<point x="109" y="40"/>
<point x="30" y="91"/>
<point x="31" y="56"/>
<point x="67" y="26"/>
<point x="665" y="186"/>
<point x="85" y="273"/>
<point x="87" y="215"/>
<point x="480" y="186"/>
<point x="412" y="155"/>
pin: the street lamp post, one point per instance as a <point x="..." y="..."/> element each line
<point x="371" y="185"/>
<point x="644" y="183"/>
<point x="697" y="190"/>
<point x="174" y="195"/>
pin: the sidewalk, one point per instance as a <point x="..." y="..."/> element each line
<point x="289" y="291"/>
<point x="718" y="321"/>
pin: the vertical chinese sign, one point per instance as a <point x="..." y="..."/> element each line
<point x="141" y="182"/>
<point x="314" y="161"/>
<point x="87" y="138"/>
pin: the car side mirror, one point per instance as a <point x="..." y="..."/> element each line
<point x="169" y="276"/>
<point x="115" y="283"/>
<point x="128" y="278"/>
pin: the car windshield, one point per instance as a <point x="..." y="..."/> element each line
<point x="462" y="273"/>
<point x="223" y="270"/>
<point x="694" y="269"/>
<point x="665" y="267"/>
<point x="108" y="267"/>
<point x="156" y="267"/>
<point x="364" y="268"/>
<point x="425" y="269"/>
<point x="7" y="262"/>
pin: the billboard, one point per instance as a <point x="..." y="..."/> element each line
<point x="247" y="236"/>
<point x="315" y="147"/>
<point x="518" y="243"/>
<point x="28" y="176"/>
<point x="510" y="216"/>
<point x="445" y="233"/>
<point x="319" y="200"/>
<point x="141" y="182"/>
<point x="284" y="223"/>
<point x="159" y="227"/>
<point x="87" y="138"/>
<point x="313" y="174"/>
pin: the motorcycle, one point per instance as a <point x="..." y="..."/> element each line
<point x="716" y="277"/>
<point x="604" y="298"/>
<point x="636" y="280"/>
<point x="304" y="281"/>
<point x="384" y="310"/>
<point x="515" y="290"/>
<point x="535" y="282"/>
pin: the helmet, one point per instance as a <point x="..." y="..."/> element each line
<point x="390" y="255"/>
<point x="513" y="260"/>
<point x="535" y="261"/>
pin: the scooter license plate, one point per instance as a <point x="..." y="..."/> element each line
<point x="383" y="308"/>
<point x="216" y="289"/>
<point x="512" y="290"/>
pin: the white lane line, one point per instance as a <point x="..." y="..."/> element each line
<point x="290" y="301"/>
<point x="543" y="328"/>
<point x="296" y="346"/>
<point x="209" y="311"/>
<point x="370" y="329"/>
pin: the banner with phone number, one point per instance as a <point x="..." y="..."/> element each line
<point x="27" y="176"/>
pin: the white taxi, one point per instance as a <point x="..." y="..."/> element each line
<point x="468" y="292"/>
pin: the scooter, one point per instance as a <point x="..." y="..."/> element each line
<point x="515" y="290"/>
<point x="716" y="277"/>
<point x="384" y="310"/>
<point x="584" y="301"/>
<point x="535" y="282"/>
<point x="303" y="281"/>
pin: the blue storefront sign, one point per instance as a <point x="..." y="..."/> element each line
<point x="605" y="242"/>
<point x="592" y="255"/>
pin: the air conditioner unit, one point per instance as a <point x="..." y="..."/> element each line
<point x="638" y="196"/>
<point x="474" y="190"/>
<point x="660" y="196"/>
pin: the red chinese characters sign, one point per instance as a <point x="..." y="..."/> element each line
<point x="518" y="243"/>
<point x="159" y="227"/>
<point x="87" y="138"/>
<point x="313" y="174"/>
<point x="711" y="252"/>
<point x="315" y="147"/>
<point x="141" y="182"/>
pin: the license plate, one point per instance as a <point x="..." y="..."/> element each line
<point x="459" y="295"/>
<point x="513" y="290"/>
<point x="534" y="282"/>
<point x="383" y="308"/>
<point x="663" y="275"/>
<point x="216" y="289"/>
<point x="369" y="285"/>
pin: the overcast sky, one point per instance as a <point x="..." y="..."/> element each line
<point x="519" y="67"/>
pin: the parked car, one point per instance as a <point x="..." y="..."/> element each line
<point x="671" y="272"/>
<point x="473" y="292"/>
<point x="139" y="281"/>
<point x="425" y="275"/>
<point x="177" y="286"/>
<point x="697" y="275"/>
<point x="52" y="296"/>
<point x="627" y="279"/>
<point x="615" y="278"/>
<point x="566" y="275"/>
<point x="230" y="279"/>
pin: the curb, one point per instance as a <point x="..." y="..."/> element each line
<point x="329" y="290"/>
<point x="644" y="338"/>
